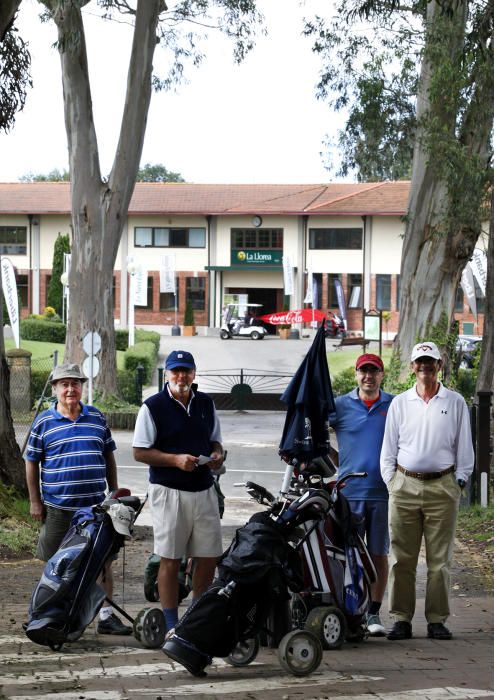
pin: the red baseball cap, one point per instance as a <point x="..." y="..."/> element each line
<point x="369" y="359"/>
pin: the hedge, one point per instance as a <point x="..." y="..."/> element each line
<point x="141" y="336"/>
<point x="47" y="331"/>
<point x="144" y="354"/>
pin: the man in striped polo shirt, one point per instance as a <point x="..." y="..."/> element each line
<point x="69" y="465"/>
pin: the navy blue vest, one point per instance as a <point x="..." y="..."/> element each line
<point x="182" y="432"/>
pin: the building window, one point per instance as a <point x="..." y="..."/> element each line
<point x="154" y="237"/>
<point x="195" y="291"/>
<point x="332" y="297"/>
<point x="335" y="239"/>
<point x="354" y="291"/>
<point x="480" y="297"/>
<point x="271" y="238"/>
<point x="13" y="240"/>
<point x="149" y="296"/>
<point x="167" y="301"/>
<point x="398" y="292"/>
<point x="22" y="290"/>
<point x="383" y="292"/>
<point x="459" y="300"/>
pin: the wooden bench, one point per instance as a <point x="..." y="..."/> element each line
<point x="348" y="340"/>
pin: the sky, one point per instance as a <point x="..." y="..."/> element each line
<point x="258" y="122"/>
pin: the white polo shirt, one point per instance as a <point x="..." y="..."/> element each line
<point x="427" y="437"/>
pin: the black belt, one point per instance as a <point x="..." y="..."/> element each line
<point x="425" y="476"/>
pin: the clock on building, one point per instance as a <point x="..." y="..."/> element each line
<point x="256" y="221"/>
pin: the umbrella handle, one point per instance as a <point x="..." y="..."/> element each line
<point x="285" y="487"/>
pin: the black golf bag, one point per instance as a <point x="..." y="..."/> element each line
<point x="67" y="597"/>
<point x="256" y="574"/>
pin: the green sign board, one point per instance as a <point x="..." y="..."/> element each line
<point x="257" y="257"/>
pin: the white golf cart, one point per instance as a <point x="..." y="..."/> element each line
<point x="239" y="321"/>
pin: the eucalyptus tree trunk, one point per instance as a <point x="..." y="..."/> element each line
<point x="485" y="378"/>
<point x="438" y="243"/>
<point x="99" y="208"/>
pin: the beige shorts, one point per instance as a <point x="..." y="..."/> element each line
<point x="185" y="523"/>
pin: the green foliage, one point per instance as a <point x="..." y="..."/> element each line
<point x="369" y="72"/>
<point x="54" y="295"/>
<point x="38" y="383"/>
<point x="157" y="173"/>
<point x="115" y="404"/>
<point x="142" y="354"/>
<point x="48" y="331"/>
<point x="15" y="76"/>
<point x="189" y="314"/>
<point x="54" y="175"/>
<point x="344" y="381"/>
<point x="18" y="532"/>
<point x="141" y="335"/>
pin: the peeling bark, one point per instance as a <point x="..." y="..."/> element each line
<point x="99" y="208"/>
<point x="435" y="252"/>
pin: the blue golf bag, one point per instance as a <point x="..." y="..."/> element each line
<point x="67" y="597"/>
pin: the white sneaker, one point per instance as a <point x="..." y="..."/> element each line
<point x="375" y="626"/>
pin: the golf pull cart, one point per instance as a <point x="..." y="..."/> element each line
<point x="242" y="325"/>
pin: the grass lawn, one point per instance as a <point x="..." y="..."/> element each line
<point x="339" y="360"/>
<point x="40" y="350"/>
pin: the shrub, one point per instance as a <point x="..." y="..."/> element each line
<point x="47" y="331"/>
<point x="38" y="382"/>
<point x="189" y="314"/>
<point x="122" y="338"/>
<point x="142" y="354"/>
<point x="344" y="381"/>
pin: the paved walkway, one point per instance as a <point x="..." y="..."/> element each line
<point x="105" y="668"/>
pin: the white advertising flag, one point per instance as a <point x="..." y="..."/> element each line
<point x="141" y="287"/>
<point x="287" y="275"/>
<point x="310" y="288"/>
<point x="469" y="288"/>
<point x="9" y="286"/>
<point x="167" y="274"/>
<point x="478" y="264"/>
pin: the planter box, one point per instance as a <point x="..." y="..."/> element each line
<point x="284" y="333"/>
<point x="189" y="330"/>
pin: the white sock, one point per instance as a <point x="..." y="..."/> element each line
<point x="105" y="613"/>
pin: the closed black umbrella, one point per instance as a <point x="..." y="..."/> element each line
<point x="310" y="400"/>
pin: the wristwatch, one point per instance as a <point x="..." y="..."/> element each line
<point x="461" y="483"/>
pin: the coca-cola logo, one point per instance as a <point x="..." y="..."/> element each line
<point x="289" y="317"/>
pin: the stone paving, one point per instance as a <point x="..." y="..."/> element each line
<point x="118" y="668"/>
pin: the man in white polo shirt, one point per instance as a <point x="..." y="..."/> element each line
<point x="426" y="459"/>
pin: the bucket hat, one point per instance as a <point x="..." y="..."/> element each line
<point x="67" y="371"/>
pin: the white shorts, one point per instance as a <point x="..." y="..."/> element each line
<point x="185" y="523"/>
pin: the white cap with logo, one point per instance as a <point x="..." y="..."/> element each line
<point x="122" y="518"/>
<point x="425" y="349"/>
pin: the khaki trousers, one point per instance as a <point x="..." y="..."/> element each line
<point x="419" y="509"/>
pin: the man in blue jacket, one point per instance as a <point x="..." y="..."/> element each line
<point x="178" y="435"/>
<point x="359" y="421"/>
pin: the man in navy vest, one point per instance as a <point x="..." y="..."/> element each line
<point x="178" y="434"/>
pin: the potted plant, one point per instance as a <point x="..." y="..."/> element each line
<point x="189" y="327"/>
<point x="284" y="328"/>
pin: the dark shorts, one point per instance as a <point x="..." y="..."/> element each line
<point x="53" y="530"/>
<point x="372" y="519"/>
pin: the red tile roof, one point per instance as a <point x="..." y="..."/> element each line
<point x="386" y="198"/>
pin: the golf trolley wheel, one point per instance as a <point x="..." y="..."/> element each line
<point x="300" y="652"/>
<point x="329" y="625"/>
<point x="149" y="628"/>
<point x="244" y="653"/>
<point x="224" y="335"/>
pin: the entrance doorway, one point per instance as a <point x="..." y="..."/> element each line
<point x="271" y="300"/>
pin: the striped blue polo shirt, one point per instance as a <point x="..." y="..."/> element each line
<point x="71" y="455"/>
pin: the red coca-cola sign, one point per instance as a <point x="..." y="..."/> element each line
<point x="287" y="317"/>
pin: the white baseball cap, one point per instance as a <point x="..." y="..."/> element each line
<point x="122" y="518"/>
<point x="425" y="349"/>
